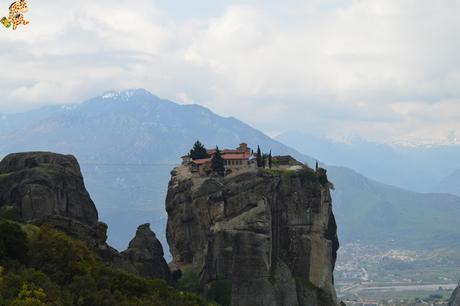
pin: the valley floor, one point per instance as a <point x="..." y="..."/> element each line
<point x="395" y="276"/>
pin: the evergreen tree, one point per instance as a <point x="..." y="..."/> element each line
<point x="270" y="160"/>
<point x="259" y="157"/>
<point x="217" y="163"/>
<point x="198" y="151"/>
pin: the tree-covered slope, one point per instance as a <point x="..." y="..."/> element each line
<point x="42" y="266"/>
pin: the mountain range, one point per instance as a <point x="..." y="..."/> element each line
<point x="418" y="168"/>
<point x="128" y="142"/>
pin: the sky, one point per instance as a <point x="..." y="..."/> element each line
<point x="383" y="70"/>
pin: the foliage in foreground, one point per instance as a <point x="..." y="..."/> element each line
<point x="50" y="268"/>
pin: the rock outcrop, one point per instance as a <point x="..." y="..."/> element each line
<point x="41" y="184"/>
<point x="267" y="236"/>
<point x="43" y="187"/>
<point x="455" y="298"/>
<point x="144" y="255"/>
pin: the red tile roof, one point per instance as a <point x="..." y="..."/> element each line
<point x="202" y="161"/>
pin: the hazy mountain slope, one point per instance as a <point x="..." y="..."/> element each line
<point x="128" y="142"/>
<point x="451" y="183"/>
<point x="420" y="169"/>
<point x="374" y="212"/>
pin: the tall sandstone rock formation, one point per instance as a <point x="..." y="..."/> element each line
<point x="41" y="184"/>
<point x="44" y="187"/>
<point x="269" y="235"/>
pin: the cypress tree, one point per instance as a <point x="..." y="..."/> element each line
<point x="217" y="163"/>
<point x="270" y="160"/>
<point x="259" y="157"/>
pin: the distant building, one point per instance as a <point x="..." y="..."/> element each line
<point x="234" y="159"/>
<point x="285" y="161"/>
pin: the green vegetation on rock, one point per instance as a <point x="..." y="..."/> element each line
<point x="43" y="266"/>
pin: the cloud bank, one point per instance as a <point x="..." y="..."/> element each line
<point x="387" y="71"/>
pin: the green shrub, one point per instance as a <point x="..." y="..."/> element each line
<point x="13" y="242"/>
<point x="60" y="256"/>
<point x="220" y="291"/>
<point x="9" y="212"/>
<point x="189" y="281"/>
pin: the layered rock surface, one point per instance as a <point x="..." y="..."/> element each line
<point x="45" y="187"/>
<point x="270" y="234"/>
<point x="455" y="298"/>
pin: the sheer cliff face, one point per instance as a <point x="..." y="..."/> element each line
<point x="271" y="235"/>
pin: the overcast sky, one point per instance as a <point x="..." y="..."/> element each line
<point x="383" y="70"/>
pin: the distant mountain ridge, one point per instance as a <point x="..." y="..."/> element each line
<point x="422" y="169"/>
<point x="128" y="142"/>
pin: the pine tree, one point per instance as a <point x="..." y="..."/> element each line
<point x="198" y="151"/>
<point x="217" y="163"/>
<point x="270" y="160"/>
<point x="259" y="157"/>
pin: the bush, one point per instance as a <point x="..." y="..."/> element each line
<point x="59" y="256"/>
<point x="9" y="212"/>
<point x="30" y="295"/>
<point x="221" y="292"/>
<point x="13" y="242"/>
<point x="189" y="281"/>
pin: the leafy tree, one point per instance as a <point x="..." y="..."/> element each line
<point x="30" y="296"/>
<point x="13" y="242"/>
<point x="59" y="256"/>
<point x="259" y="157"/>
<point x="198" y="151"/>
<point x="217" y="163"/>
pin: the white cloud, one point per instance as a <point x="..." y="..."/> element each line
<point x="383" y="70"/>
